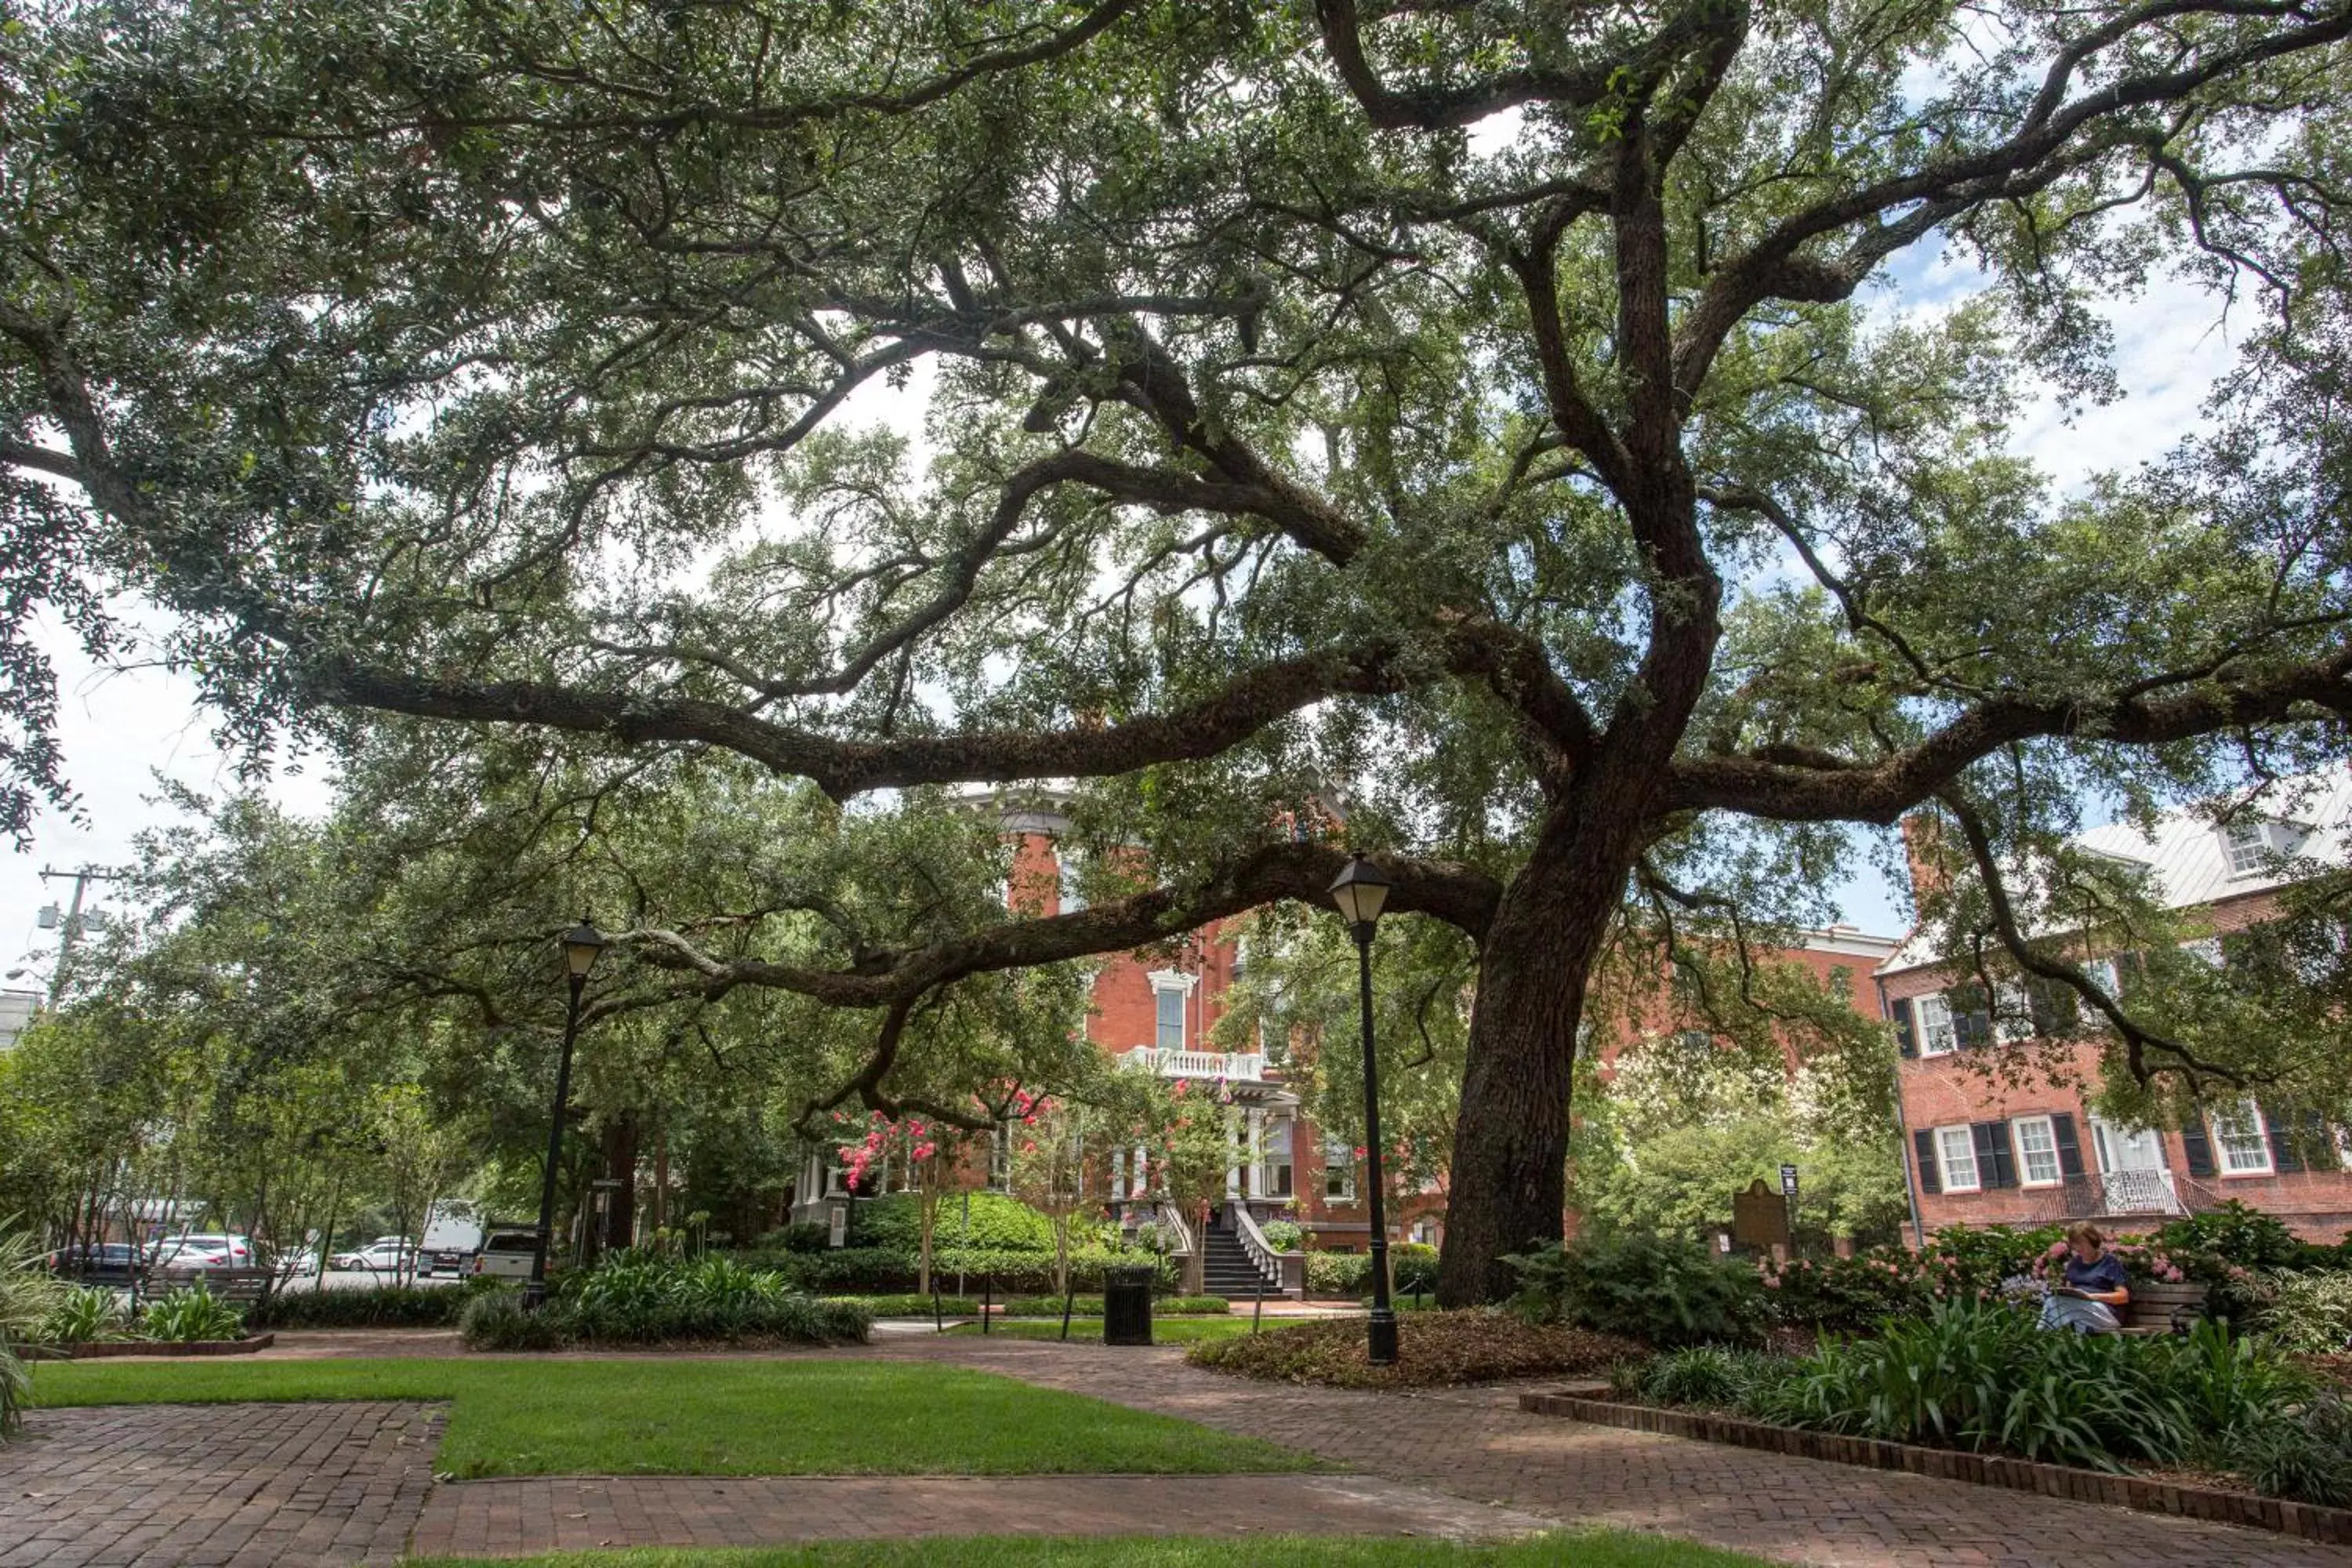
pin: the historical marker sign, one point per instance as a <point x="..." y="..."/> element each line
<point x="1787" y="1181"/>
<point x="1759" y="1217"/>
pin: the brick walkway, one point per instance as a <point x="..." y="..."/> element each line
<point x="1476" y="1443"/>
<point x="275" y="1486"/>
<point x="215" y="1486"/>
<point x="506" y="1518"/>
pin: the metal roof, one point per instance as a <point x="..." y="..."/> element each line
<point x="2188" y="862"/>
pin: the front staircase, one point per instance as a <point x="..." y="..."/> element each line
<point x="1227" y="1271"/>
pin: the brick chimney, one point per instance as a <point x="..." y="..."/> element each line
<point x="1923" y="845"/>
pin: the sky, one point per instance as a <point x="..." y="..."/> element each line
<point x="120" y="728"/>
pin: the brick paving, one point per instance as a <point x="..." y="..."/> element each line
<point x="509" y="1518"/>
<point x="215" y="1486"/>
<point x="1476" y="1443"/>
<point x="264" y="1486"/>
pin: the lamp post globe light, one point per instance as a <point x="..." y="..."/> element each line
<point x="581" y="943"/>
<point x="1360" y="891"/>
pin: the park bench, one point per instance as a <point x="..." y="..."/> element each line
<point x="2157" y="1309"/>
<point x="242" y="1286"/>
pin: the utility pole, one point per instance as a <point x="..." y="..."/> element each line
<point x="72" y="933"/>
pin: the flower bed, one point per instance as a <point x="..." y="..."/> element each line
<point x="1433" y="1349"/>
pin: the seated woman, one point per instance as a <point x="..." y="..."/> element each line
<point x="2095" y="1285"/>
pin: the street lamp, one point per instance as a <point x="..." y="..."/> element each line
<point x="581" y="943"/>
<point x="1360" y="891"/>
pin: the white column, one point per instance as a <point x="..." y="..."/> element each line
<point x="1118" y="1173"/>
<point x="1233" y="1142"/>
<point x="1257" y="1167"/>
<point x="1142" y="1174"/>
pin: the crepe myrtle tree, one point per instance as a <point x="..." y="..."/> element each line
<point x="1467" y="413"/>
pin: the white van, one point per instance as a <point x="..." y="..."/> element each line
<point x="453" y="1234"/>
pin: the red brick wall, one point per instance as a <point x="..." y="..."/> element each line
<point x="1956" y="1088"/>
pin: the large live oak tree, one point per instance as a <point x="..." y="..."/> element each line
<point x="1463" y="411"/>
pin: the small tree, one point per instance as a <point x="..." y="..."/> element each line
<point x="1049" y="1169"/>
<point x="1192" y="1149"/>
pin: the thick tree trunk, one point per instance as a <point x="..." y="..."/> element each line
<point x="620" y="1151"/>
<point x="1510" y="1140"/>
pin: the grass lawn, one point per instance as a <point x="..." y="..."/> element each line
<point x="1595" y="1550"/>
<point x="1164" y="1330"/>
<point x="737" y="1416"/>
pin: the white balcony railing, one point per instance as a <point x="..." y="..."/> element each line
<point x="1237" y="1067"/>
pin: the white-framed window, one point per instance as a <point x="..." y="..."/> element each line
<point x="1067" y="873"/>
<point x="1955" y="1151"/>
<point x="1340" y="1172"/>
<point x="1170" y="1020"/>
<point x="2244" y="844"/>
<point x="2037" y="1150"/>
<point x="2238" y="1139"/>
<point x="2012" y="1018"/>
<point x="1938" y="1037"/>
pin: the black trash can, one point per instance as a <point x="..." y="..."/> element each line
<point x="1126" y="1306"/>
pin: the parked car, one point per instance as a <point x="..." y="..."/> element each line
<point x="453" y="1234"/>
<point x="506" y="1253"/>
<point x="385" y="1255"/>
<point x="99" y="1263"/>
<point x="207" y="1250"/>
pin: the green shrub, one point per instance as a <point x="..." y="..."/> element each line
<point x="1339" y="1273"/>
<point x="2236" y="1235"/>
<point x="1192" y="1306"/>
<point x="1282" y="1235"/>
<point x="1412" y="1265"/>
<point x="1985" y="1377"/>
<point x="804" y="1235"/>
<point x="2308" y="1459"/>
<point x="999" y="1224"/>
<point x="1972" y="1261"/>
<point x="650" y="1297"/>
<point x="2310" y="1313"/>
<point x="908" y="1304"/>
<point x="189" y="1313"/>
<point x="88" y="1315"/>
<point x="29" y="1294"/>
<point x="1663" y="1289"/>
<point x="861" y="1270"/>
<point x="383" y="1306"/>
<point x="1713" y="1377"/>
<point x="499" y="1323"/>
<point x="1848" y="1295"/>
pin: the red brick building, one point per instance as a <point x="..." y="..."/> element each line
<point x="2022" y="1148"/>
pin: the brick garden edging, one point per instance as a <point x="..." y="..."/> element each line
<point x="2307" y="1520"/>
<point x="99" y="1350"/>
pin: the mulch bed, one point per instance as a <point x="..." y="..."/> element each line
<point x="1433" y="1350"/>
<point x="2334" y="1369"/>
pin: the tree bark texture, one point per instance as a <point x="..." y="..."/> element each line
<point x="619" y="1141"/>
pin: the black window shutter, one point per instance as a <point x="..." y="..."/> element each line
<point x="1996" y="1165"/>
<point x="2283" y="1158"/>
<point x="2318" y="1144"/>
<point x="1906" y="1030"/>
<point x="2070" y="1151"/>
<point x="2056" y="1009"/>
<point x="1971" y="1015"/>
<point x="2195" y="1145"/>
<point x="1923" y="1144"/>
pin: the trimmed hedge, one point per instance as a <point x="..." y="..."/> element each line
<point x="908" y="1304"/>
<point x="638" y="1298"/>
<point x="1351" y="1273"/>
<point x="862" y="1270"/>
<point x="1092" y="1307"/>
<point x="999" y="1224"/>
<point x="385" y="1307"/>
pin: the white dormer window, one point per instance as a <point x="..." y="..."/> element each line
<point x="2245" y="844"/>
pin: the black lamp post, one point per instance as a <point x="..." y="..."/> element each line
<point x="581" y="943"/>
<point x="1360" y="891"/>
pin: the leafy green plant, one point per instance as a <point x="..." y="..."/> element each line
<point x="2310" y="1313"/>
<point x="1713" y="1377"/>
<point x="1974" y="1260"/>
<point x="2235" y="1234"/>
<point x="643" y="1297"/>
<point x="86" y="1316"/>
<point x="29" y="1294"/>
<point x="187" y="1314"/>
<point x="499" y="1323"/>
<point x="2230" y="1383"/>
<point x="2308" y="1459"/>
<point x="999" y="1224"/>
<point x="911" y="1304"/>
<point x="1282" y="1235"/>
<point x="804" y="1236"/>
<point x="1663" y="1289"/>
<point x="1852" y="1294"/>
<point x="384" y="1307"/>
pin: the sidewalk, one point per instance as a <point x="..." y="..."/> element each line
<point x="1477" y="1445"/>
